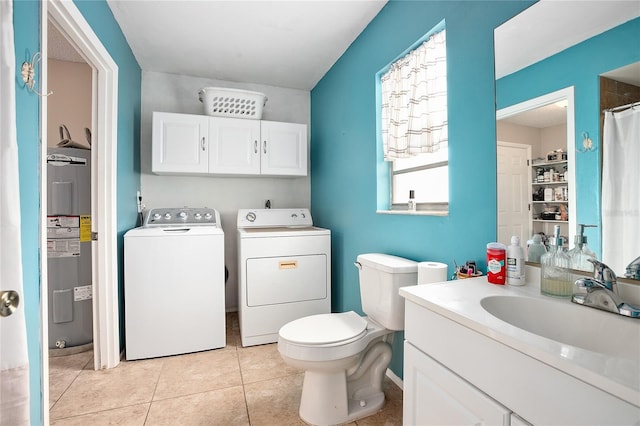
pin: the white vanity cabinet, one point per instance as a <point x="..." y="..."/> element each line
<point x="455" y="374"/>
<point x="194" y="144"/>
<point x="433" y="395"/>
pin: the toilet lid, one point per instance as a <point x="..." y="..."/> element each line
<point x="324" y="328"/>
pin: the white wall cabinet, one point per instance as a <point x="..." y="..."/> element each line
<point x="235" y="146"/>
<point x="195" y="144"/>
<point x="179" y="143"/>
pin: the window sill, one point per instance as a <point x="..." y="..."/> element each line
<point x="415" y="213"/>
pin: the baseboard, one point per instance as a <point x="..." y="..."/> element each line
<point x="395" y="379"/>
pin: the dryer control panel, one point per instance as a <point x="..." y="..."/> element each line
<point x="183" y="216"/>
<point x="274" y="218"/>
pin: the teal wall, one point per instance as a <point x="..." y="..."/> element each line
<point x="579" y="66"/>
<point x="343" y="145"/>
<point x="26" y="23"/>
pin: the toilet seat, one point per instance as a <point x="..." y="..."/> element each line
<point x="325" y="329"/>
<point x="355" y="334"/>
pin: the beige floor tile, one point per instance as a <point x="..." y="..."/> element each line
<point x="219" y="407"/>
<point x="198" y="372"/>
<point x="130" y="383"/>
<point x="263" y="362"/>
<point x="275" y="402"/>
<point x="194" y="389"/>
<point x="128" y="416"/>
<point x="63" y="371"/>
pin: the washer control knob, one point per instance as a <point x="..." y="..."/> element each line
<point x="293" y="215"/>
<point x="207" y="215"/>
<point x="157" y="216"/>
<point x="182" y="215"/>
<point x="167" y="216"/>
<point x="197" y="216"/>
<point x="251" y="217"/>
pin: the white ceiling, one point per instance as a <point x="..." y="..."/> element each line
<point x="280" y="43"/>
<point x="293" y="43"/>
<point x="551" y="26"/>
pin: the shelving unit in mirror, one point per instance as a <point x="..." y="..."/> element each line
<point x="550" y="196"/>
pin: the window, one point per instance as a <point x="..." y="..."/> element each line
<point x="412" y="125"/>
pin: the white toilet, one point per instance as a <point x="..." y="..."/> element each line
<point x="345" y="356"/>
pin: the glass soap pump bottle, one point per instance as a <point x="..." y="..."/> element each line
<point x="579" y="254"/>
<point x="555" y="277"/>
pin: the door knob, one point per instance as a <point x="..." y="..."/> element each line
<point x="9" y="301"/>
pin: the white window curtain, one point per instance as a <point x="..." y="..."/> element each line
<point x="414" y="101"/>
<point x="620" y="180"/>
<point x="14" y="365"/>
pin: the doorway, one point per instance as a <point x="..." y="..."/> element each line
<point x="546" y="124"/>
<point x="68" y="20"/>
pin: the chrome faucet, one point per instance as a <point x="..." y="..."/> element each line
<point x="601" y="292"/>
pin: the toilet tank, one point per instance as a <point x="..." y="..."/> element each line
<point x="381" y="276"/>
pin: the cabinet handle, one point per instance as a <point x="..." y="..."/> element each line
<point x="265" y="147"/>
<point x="202" y="144"/>
<point x="255" y="146"/>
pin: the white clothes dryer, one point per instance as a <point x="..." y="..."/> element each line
<point x="174" y="284"/>
<point x="284" y="271"/>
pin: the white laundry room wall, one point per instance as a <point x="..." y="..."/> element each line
<point x="179" y="93"/>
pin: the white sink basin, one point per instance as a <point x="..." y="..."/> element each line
<point x="564" y="322"/>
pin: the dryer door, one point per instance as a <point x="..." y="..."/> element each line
<point x="275" y="280"/>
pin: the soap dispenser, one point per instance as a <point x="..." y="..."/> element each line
<point x="555" y="277"/>
<point x="579" y="255"/>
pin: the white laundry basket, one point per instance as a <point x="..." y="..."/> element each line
<point x="232" y="102"/>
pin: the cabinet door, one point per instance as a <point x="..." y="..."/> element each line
<point x="179" y="143"/>
<point x="433" y="395"/>
<point x="235" y="146"/>
<point x="284" y="149"/>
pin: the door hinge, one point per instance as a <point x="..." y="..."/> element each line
<point x="94" y="236"/>
<point x="528" y="163"/>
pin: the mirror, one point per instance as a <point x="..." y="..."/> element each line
<point x="536" y="60"/>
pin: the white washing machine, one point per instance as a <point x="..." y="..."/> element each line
<point x="174" y="283"/>
<point x="284" y="271"/>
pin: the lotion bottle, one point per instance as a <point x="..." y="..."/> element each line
<point x="515" y="262"/>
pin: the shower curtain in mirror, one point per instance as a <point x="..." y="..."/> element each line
<point x="14" y="366"/>
<point x="621" y="188"/>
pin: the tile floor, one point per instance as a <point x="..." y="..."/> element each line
<point x="228" y="386"/>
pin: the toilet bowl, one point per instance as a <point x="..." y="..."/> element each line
<point x="345" y="355"/>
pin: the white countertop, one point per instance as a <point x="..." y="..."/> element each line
<point x="460" y="300"/>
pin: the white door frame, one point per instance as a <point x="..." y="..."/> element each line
<point x="557" y="96"/>
<point x="104" y="123"/>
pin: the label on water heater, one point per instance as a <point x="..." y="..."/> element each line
<point x="82" y="293"/>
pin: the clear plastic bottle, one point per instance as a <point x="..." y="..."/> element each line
<point x="411" y="205"/>
<point x="536" y="249"/>
<point x="515" y="262"/>
<point x="555" y="276"/>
